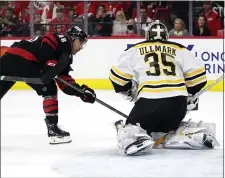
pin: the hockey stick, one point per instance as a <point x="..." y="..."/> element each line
<point x="21" y="79"/>
<point x="39" y="81"/>
<point x="208" y="87"/>
<point x="96" y="99"/>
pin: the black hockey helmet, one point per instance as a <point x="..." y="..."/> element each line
<point x="75" y="32"/>
<point x="156" y="31"/>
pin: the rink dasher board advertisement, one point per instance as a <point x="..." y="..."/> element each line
<point x="93" y="63"/>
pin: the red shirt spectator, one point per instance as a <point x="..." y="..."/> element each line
<point x="62" y="23"/>
<point x="80" y="8"/>
<point x="213" y="19"/>
<point x="17" y="6"/>
<point x="115" y="7"/>
<point x="92" y="7"/>
<point x="48" y="12"/>
<point x="25" y="16"/>
<point x="221" y="33"/>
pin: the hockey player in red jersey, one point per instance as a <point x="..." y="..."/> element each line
<point x="38" y="57"/>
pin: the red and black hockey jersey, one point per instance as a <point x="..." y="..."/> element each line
<point x="46" y="52"/>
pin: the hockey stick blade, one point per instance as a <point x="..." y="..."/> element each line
<point x="96" y="99"/>
<point x="21" y="79"/>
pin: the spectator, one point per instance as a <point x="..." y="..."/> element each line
<point x="144" y="19"/>
<point x="213" y="19"/>
<point x="17" y="6"/>
<point x="91" y="7"/>
<point x="114" y="7"/>
<point x="39" y="28"/>
<point x="39" y="5"/>
<point x="62" y="23"/>
<point x="179" y="9"/>
<point x="201" y="28"/>
<point x="221" y="32"/>
<point x="131" y="27"/>
<point x="71" y="14"/>
<point x="179" y="28"/>
<point x="25" y="16"/>
<point x="119" y="24"/>
<point x="9" y="23"/>
<point x="101" y="23"/>
<point x="25" y="23"/>
<point x="49" y="12"/>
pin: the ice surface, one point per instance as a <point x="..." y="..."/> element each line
<point x="25" y="151"/>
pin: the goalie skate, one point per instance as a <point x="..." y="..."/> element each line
<point x="140" y="146"/>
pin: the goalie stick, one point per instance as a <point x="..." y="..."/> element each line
<point x="208" y="87"/>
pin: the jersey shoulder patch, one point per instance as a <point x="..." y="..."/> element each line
<point x="51" y="40"/>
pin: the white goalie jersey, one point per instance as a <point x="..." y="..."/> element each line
<point x="162" y="69"/>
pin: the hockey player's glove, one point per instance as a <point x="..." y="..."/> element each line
<point x="89" y="94"/>
<point x="192" y="104"/>
<point x="131" y="91"/>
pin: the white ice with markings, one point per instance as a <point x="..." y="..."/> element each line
<point x="25" y="151"/>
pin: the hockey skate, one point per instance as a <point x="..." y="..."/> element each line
<point x="57" y="135"/>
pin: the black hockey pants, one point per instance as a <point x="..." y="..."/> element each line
<point x="12" y="65"/>
<point x="158" y="115"/>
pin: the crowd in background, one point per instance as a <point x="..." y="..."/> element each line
<point x="111" y="18"/>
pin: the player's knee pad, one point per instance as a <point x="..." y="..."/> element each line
<point x="132" y="139"/>
<point x="50" y="105"/>
<point x="49" y="89"/>
<point x="188" y="137"/>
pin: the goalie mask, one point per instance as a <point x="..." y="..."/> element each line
<point x="76" y="33"/>
<point x="156" y="31"/>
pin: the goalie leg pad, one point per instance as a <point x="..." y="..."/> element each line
<point x="191" y="138"/>
<point x="133" y="140"/>
<point x="210" y="127"/>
